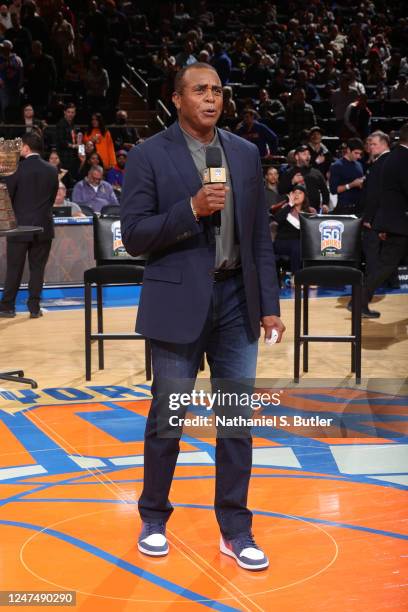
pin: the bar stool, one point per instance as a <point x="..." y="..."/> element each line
<point x="331" y="254"/>
<point x="328" y="276"/>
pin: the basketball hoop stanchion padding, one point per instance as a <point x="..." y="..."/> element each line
<point x="9" y="159"/>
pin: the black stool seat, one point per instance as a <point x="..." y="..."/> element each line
<point x="329" y="276"/>
<point x="114" y="273"/>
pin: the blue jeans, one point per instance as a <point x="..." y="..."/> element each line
<point x="231" y="354"/>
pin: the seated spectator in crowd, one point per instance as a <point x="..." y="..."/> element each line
<point x="287" y="241"/>
<point x="102" y="139"/>
<point x="310" y="90"/>
<point x="279" y="88"/>
<point x="329" y="73"/>
<point x="258" y="134"/>
<point x="124" y="136"/>
<point x="11" y="81"/>
<point x="257" y="73"/>
<point x="272" y="194"/>
<point x="373" y="68"/>
<point x="5" y="19"/>
<point x="20" y="37"/>
<point x="96" y="85"/>
<point x="115" y="175"/>
<point x="303" y="173"/>
<point x="186" y="57"/>
<point x="64" y="176"/>
<point x="357" y="118"/>
<point x="41" y="78"/>
<point x="399" y="91"/>
<point x="61" y="200"/>
<point x="347" y="178"/>
<point x="239" y="57"/>
<point x="90" y="160"/>
<point x="271" y="112"/>
<point x="320" y="156"/>
<point x="63" y="38"/>
<point x="221" y="62"/>
<point x="93" y="191"/>
<point x="30" y="122"/>
<point x="299" y="115"/>
<point x="229" y="115"/>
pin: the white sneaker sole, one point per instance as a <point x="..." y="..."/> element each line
<point x="151" y="553"/>
<point x="230" y="553"/>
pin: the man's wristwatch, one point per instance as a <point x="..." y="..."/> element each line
<point x="347" y="187"/>
<point x="195" y="213"/>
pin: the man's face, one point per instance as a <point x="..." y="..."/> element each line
<point x="199" y="104"/>
<point x="95" y="178"/>
<point x="60" y="197"/>
<point x="302" y="158"/>
<point x="299" y="97"/>
<point x="69" y="114"/>
<point x="28" y="112"/>
<point x="377" y="146"/>
<point x="272" y="176"/>
<point x="263" y="95"/>
<point x="248" y="119"/>
<point x="355" y="154"/>
<point x="121" y="160"/>
<point x="121" y="117"/>
<point x="315" y="138"/>
<point x="37" y="49"/>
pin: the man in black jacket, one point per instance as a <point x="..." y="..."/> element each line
<point x="316" y="187"/>
<point x="370" y="200"/>
<point x="391" y="218"/>
<point x="66" y="140"/>
<point x="32" y="191"/>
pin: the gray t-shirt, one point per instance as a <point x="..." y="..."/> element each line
<point x="227" y="255"/>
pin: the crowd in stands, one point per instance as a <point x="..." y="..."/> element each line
<point x="306" y="82"/>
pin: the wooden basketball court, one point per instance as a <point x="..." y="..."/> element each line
<point x="329" y="510"/>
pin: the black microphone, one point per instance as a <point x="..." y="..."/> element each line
<point x="214" y="173"/>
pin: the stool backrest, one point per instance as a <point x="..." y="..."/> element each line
<point x="108" y="246"/>
<point x="330" y="239"/>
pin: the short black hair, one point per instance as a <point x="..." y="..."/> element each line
<point x="179" y="78"/>
<point x="355" y="143"/>
<point x="34" y="141"/>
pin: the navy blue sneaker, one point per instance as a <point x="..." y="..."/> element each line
<point x="152" y="540"/>
<point x="7" y="314"/>
<point x="245" y="552"/>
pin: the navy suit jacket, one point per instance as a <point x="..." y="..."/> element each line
<point x="157" y="219"/>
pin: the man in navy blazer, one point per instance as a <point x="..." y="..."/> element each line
<point x="205" y="291"/>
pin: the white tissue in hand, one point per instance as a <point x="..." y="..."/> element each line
<point x="274" y="337"/>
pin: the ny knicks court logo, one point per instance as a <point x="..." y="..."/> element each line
<point x="331" y="232"/>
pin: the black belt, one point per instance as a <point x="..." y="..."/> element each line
<point x="222" y="275"/>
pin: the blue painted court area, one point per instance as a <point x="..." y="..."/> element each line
<point x="72" y="297"/>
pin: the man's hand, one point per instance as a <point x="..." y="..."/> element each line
<point x="358" y="182"/>
<point x="382" y="235"/>
<point x="209" y="199"/>
<point x="367" y="224"/>
<point x="325" y="209"/>
<point x="271" y="322"/>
